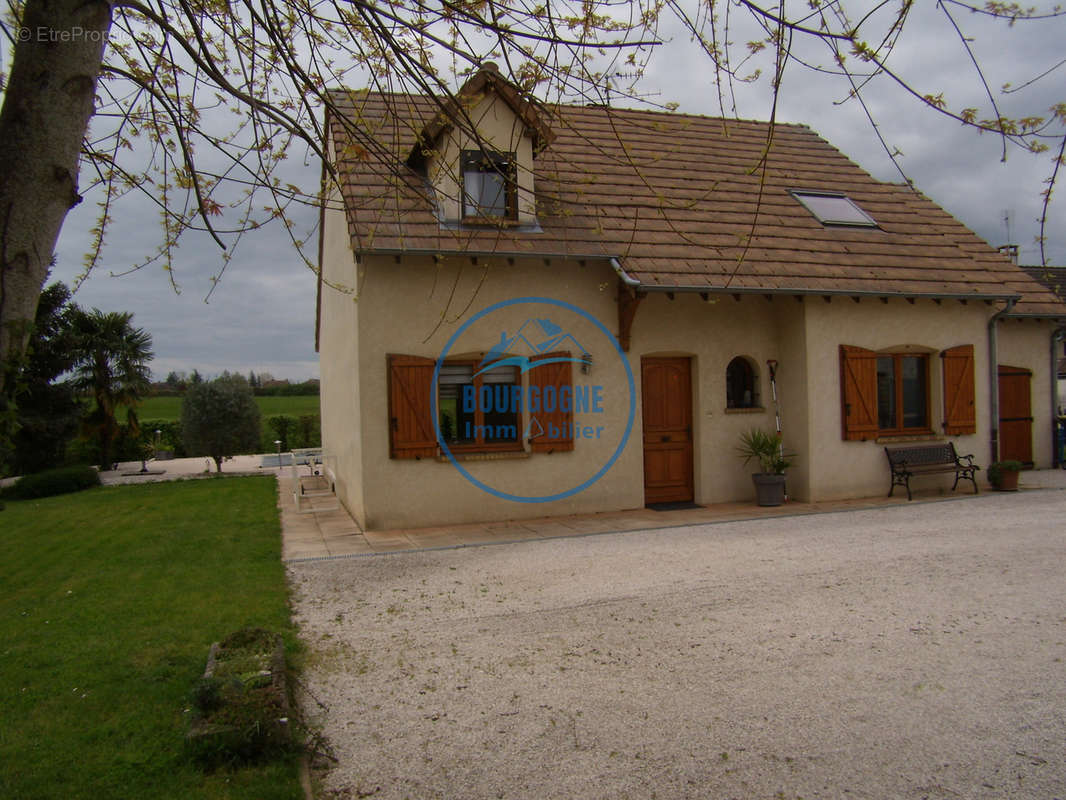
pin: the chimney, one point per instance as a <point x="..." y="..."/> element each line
<point x="1010" y="251"/>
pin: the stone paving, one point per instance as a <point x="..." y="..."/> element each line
<point x="334" y="534"/>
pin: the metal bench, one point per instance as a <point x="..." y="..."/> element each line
<point x="929" y="459"/>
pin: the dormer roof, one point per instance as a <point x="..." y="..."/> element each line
<point x="454" y="112"/>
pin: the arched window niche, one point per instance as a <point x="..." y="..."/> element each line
<point x="741" y="384"/>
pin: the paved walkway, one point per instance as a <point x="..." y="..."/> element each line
<point x="334" y="534"/>
<point x="328" y="531"/>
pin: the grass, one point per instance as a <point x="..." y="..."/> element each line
<point x="168" y="409"/>
<point x="110" y="600"/>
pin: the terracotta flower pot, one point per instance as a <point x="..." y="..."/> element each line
<point x="1008" y="481"/>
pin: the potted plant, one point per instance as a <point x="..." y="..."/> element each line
<point x="773" y="461"/>
<point x="1003" y="475"/>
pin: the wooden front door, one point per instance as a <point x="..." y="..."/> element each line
<point x="666" y="387"/>
<point x="1015" y="415"/>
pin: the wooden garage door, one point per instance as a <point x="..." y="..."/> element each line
<point x="1015" y="415"/>
<point x="666" y="385"/>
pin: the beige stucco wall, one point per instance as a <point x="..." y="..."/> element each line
<point x="712" y="334"/>
<point x="499" y="129"/>
<point x="1027" y="343"/>
<point x="401" y="304"/>
<point x="340" y="392"/>
<point x="841" y="469"/>
<point x="400" y="307"/>
<point x="794" y="390"/>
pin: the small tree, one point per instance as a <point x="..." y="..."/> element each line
<point x="45" y="408"/>
<point x="220" y="418"/>
<point x="111" y="365"/>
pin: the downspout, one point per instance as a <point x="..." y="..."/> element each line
<point x="1056" y="336"/>
<point x="993" y="377"/>
<point x="627" y="279"/>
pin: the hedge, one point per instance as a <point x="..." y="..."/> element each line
<point x="53" y="481"/>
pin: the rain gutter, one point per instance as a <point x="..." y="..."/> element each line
<point x="632" y="282"/>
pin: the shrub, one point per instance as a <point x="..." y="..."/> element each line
<point x="766" y="449"/>
<point x="124" y="447"/>
<point x="220" y="418"/>
<point x="996" y="470"/>
<point x="309" y="427"/>
<point x="170" y="435"/>
<point x="293" y="431"/>
<point x="283" y="425"/>
<point x="54" y="481"/>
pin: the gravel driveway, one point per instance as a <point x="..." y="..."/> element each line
<point x="909" y="652"/>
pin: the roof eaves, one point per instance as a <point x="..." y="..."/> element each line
<point x="795" y="291"/>
<point x="1059" y="315"/>
<point x="441" y="252"/>
<point x="636" y="285"/>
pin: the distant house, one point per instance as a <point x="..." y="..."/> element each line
<point x="1055" y="279"/>
<point x="494" y="248"/>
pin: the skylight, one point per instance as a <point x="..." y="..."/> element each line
<point x="834" y="209"/>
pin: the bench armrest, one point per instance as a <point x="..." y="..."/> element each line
<point x="969" y="461"/>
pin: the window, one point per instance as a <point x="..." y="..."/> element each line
<point x="479" y="411"/>
<point x="740" y="384"/>
<point x="489" y="185"/>
<point x="889" y="394"/>
<point x="902" y="393"/>
<point x="831" y="208"/>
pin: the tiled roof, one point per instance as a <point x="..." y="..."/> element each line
<point x="1052" y="277"/>
<point x="681" y="202"/>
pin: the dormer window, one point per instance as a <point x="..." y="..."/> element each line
<point x="489" y="186"/>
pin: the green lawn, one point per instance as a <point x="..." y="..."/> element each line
<point x="109" y="600"/>
<point x="169" y="408"/>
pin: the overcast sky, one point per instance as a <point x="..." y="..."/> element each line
<point x="261" y="316"/>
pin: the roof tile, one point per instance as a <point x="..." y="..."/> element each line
<point x="682" y="201"/>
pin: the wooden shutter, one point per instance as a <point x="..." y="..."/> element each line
<point x="960" y="413"/>
<point x="411" y="433"/>
<point x="552" y="430"/>
<point x="858" y="390"/>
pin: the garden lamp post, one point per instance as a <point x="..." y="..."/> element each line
<point x="277" y="444"/>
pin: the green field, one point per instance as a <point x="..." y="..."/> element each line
<point x="168" y="409"/>
<point x="111" y="599"/>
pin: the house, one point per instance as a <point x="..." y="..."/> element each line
<point x="1055" y="279"/>
<point x="528" y="310"/>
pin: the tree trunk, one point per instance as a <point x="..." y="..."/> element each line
<point x="46" y="112"/>
<point x="218" y="463"/>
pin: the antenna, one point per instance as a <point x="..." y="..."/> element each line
<point x="1009" y="249"/>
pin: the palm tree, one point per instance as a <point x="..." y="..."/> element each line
<point x="112" y="364"/>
